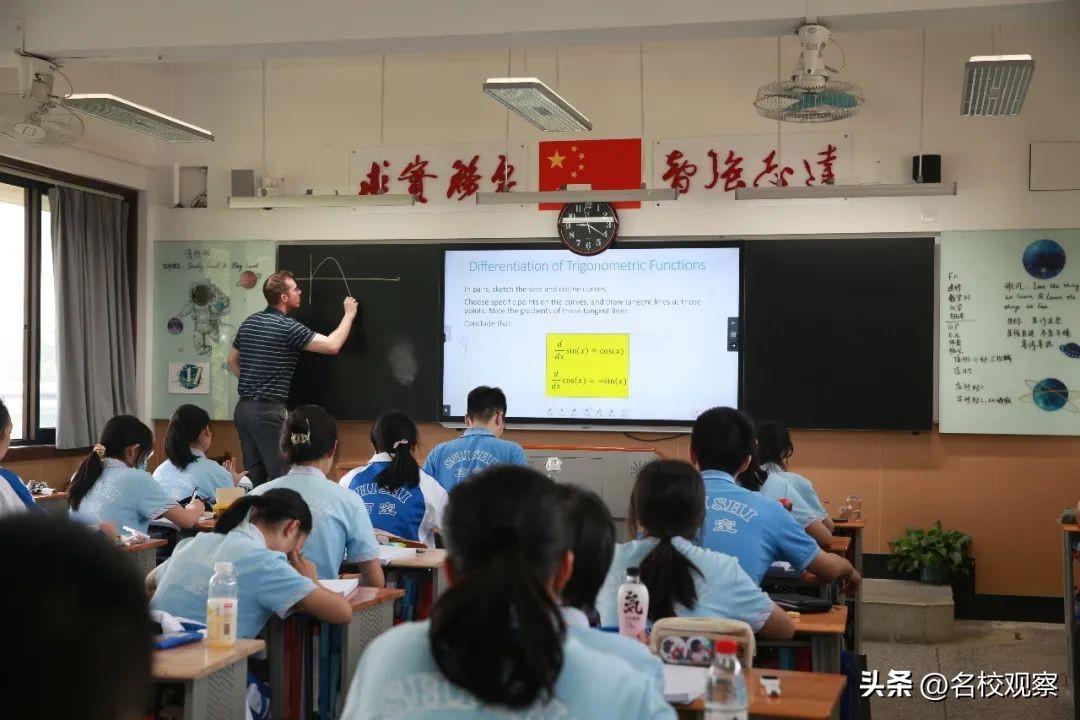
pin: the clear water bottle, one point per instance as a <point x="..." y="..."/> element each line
<point x="725" y="695"/>
<point x="633" y="605"/>
<point x="221" y="609"/>
<point x="553" y="467"/>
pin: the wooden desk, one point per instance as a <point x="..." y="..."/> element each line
<point x="840" y="545"/>
<point x="433" y="561"/>
<point x="823" y="633"/>
<point x="214" y="679"/>
<point x="854" y="530"/>
<point x="144" y="554"/>
<point x="803" y="696"/>
<point x="55" y="504"/>
<point x="51" y="497"/>
<point x="1070" y="537"/>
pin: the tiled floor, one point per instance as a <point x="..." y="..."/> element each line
<point x="988" y="647"/>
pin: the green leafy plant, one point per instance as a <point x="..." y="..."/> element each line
<point x="940" y="556"/>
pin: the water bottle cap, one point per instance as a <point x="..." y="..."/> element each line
<point x="633" y="570"/>
<point x="223" y="567"/>
<point x="725" y="646"/>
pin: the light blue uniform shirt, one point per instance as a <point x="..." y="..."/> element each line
<point x="340" y="528"/>
<point x="752" y="527"/>
<point x="124" y="496"/>
<point x="723" y="588"/>
<point x="477" y="448"/>
<point x="414" y="513"/>
<point x="802" y="488"/>
<point x="202" y="476"/>
<point x="266" y="582"/>
<point x="398" y="678"/>
<point x="633" y="653"/>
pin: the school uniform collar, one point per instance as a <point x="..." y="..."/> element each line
<point x="307" y="470"/>
<point x="719" y="475"/>
<point x="477" y="431"/>
<point x="772" y="467"/>
<point x="113" y="463"/>
<point x="381" y="457"/>
<point x="574" y="617"/>
<point x="197" y="452"/>
<point x="253" y="532"/>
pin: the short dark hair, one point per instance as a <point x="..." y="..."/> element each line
<point x="722" y="439"/>
<point x="77" y="597"/>
<point x="485" y="403"/>
<point x="185" y="426"/>
<point x="591" y="532"/>
<point x="275" y="286"/>
<point x="774" y="443"/>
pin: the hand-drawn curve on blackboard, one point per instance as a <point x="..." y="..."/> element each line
<point x="311" y="278"/>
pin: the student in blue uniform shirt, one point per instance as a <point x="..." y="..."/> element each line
<point x="591" y="533"/>
<point x="188" y="472"/>
<point x="15" y="498"/>
<point x="111" y="484"/>
<point x="774" y="450"/>
<point x="747" y="525"/>
<point x="496" y="644"/>
<point x="341" y="529"/>
<point x="667" y="507"/>
<point x="401" y="499"/>
<point x="261" y="535"/>
<point x="480" y="445"/>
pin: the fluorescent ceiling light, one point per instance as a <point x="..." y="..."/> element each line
<point x="136" y="117"/>
<point x="845" y="191"/>
<point x="571" y="196"/>
<point x="535" y="102"/>
<point x="996" y="85"/>
<point x="313" y="201"/>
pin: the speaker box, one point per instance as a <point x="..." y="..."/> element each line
<point x="926" y="168"/>
<point x="243" y="183"/>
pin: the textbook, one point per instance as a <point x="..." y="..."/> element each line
<point x="342" y="587"/>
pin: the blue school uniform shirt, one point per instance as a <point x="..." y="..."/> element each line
<point x="412" y="513"/>
<point x="398" y="678"/>
<point x="266" y="582"/>
<point x="477" y="448"/>
<point x="802" y="487"/>
<point x="633" y="653"/>
<point x="202" y="476"/>
<point x="776" y="488"/>
<point x="340" y="525"/>
<point x="724" y="589"/>
<point x="19" y="490"/>
<point x="752" y="527"/>
<point x="124" y="496"/>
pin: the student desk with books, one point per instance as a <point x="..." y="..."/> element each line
<point x="144" y="554"/>
<point x="852" y="528"/>
<point x="803" y="696"/>
<point x="214" y="679"/>
<point x="823" y="633"/>
<point x="431" y="561"/>
<point x="55" y="504"/>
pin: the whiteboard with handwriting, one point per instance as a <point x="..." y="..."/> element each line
<point x="1010" y="317"/>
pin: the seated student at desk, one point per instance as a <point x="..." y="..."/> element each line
<point x="112" y="485"/>
<point x="667" y="506"/>
<point x="261" y="535"/>
<point x="744" y="524"/>
<point x="14" y="496"/>
<point x="188" y="472"/>
<point x="591" y="533"/>
<point x="774" y="449"/>
<point x="401" y="499"/>
<point x="341" y="529"/>
<point x="496" y="643"/>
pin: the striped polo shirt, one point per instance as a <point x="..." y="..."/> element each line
<point x="269" y="343"/>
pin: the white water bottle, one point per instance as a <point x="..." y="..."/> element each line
<point x="633" y="601"/>
<point x="221" y="608"/>
<point x="725" y="695"/>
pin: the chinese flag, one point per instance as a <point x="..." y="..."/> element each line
<point x="602" y="164"/>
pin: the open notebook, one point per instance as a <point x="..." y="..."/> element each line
<point x="342" y="587"/>
<point x="389" y="553"/>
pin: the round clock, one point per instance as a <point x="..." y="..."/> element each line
<point x="588" y="228"/>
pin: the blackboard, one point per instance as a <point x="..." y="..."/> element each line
<point x="391" y="359"/>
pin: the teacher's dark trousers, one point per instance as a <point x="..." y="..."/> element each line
<point x="259" y="423"/>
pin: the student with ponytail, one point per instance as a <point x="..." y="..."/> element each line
<point x="401" y="498"/>
<point x="774" y="449"/>
<point x="667" y="508"/>
<point x="341" y="528"/>
<point x="111" y="484"/>
<point x="496" y="643"/>
<point x="262" y="536"/>
<point x="188" y="472"/>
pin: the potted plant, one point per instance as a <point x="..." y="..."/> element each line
<point x="940" y="556"/>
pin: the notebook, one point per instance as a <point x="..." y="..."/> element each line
<point x="389" y="553"/>
<point x="683" y="684"/>
<point x="342" y="587"/>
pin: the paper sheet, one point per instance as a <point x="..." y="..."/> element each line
<point x="683" y="684"/>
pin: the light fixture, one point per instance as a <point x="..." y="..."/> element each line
<point x="319" y="201"/>
<point x="574" y="196"/>
<point x="996" y="85"/>
<point x="792" y="192"/>
<point x="136" y="117"/>
<point x="536" y="103"/>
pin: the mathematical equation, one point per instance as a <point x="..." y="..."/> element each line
<point x="588" y="365"/>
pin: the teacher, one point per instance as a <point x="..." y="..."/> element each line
<point x="263" y="356"/>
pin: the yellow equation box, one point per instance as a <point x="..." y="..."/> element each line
<point x="588" y="365"/>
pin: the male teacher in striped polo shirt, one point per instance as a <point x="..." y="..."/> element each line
<point x="263" y="356"/>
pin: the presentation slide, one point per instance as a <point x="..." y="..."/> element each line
<point x="632" y="336"/>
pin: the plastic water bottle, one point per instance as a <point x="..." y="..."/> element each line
<point x="553" y="467"/>
<point x="725" y="695"/>
<point x="633" y="605"/>
<point x="221" y="610"/>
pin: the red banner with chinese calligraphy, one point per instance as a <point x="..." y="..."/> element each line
<point x="710" y="169"/>
<point x="590" y="164"/>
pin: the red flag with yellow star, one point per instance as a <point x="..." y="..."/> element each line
<point x="601" y="164"/>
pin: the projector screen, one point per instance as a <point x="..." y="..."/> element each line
<point x="638" y="335"/>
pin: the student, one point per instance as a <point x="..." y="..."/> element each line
<point x="747" y="525"/>
<point x="774" y="450"/>
<point x="14" y="496"/>
<point x="341" y="529"/>
<point x="81" y="604"/>
<point x="591" y="533"/>
<point x="480" y="445"/>
<point x="400" y="498"/>
<point x="261" y="535"/>
<point x="667" y="506"/>
<point x="496" y="644"/>
<point x="188" y="472"/>
<point x="112" y="485"/>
